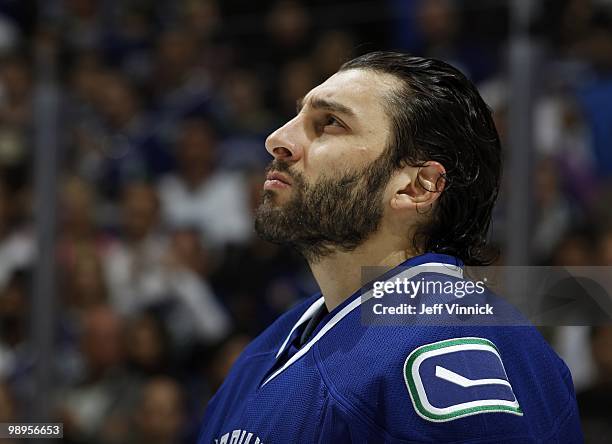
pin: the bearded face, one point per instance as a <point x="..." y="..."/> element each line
<point x="335" y="213"/>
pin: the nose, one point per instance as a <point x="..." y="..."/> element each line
<point x="285" y="143"/>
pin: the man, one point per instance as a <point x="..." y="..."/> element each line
<point x="394" y="161"/>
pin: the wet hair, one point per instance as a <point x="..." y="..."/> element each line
<point x="438" y="115"/>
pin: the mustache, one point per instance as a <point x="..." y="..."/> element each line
<point x="282" y="167"/>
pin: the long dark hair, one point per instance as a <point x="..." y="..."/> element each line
<point x="438" y="115"/>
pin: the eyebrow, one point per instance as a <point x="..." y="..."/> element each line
<point x="329" y="105"/>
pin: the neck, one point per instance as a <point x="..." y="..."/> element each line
<point x="339" y="274"/>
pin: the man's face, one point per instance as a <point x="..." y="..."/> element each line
<point x="326" y="186"/>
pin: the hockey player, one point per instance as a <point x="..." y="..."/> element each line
<point x="393" y="162"/>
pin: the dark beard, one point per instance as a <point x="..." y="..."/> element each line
<point x="333" y="214"/>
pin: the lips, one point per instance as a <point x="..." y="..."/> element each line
<point x="276" y="181"/>
<point x="274" y="175"/>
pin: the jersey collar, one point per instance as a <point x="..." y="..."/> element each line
<point x="428" y="262"/>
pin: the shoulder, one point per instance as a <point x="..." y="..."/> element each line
<point x="437" y="383"/>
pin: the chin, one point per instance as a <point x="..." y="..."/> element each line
<point x="274" y="199"/>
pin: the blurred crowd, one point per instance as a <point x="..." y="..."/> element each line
<point x="163" y="112"/>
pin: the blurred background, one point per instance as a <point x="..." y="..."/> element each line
<point x="131" y="160"/>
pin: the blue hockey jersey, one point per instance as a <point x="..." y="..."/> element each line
<point x="358" y="383"/>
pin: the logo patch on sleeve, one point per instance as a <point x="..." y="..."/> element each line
<point x="458" y="377"/>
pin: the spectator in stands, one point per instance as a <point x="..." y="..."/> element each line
<point x="571" y="341"/>
<point x="246" y="121"/>
<point x="130" y="139"/>
<point x="202" y="196"/>
<point x="81" y="288"/>
<point x="86" y="152"/>
<point x="180" y="84"/>
<point x="84" y="282"/>
<point x="553" y="210"/>
<point x="595" y="94"/>
<point x="194" y="313"/>
<point x="243" y="94"/>
<point x="16" y="243"/>
<point x="97" y="407"/>
<point x="147" y="269"/>
<point x="160" y="416"/>
<point x="78" y="202"/>
<point x="147" y="346"/>
<point x="134" y="261"/>
<point x="287" y="24"/>
<point x="333" y="48"/>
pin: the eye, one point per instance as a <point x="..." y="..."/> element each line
<point x="331" y="125"/>
<point x="332" y="121"/>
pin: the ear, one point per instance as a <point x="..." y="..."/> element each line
<point x="419" y="187"/>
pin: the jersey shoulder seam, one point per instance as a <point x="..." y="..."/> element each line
<point x="351" y="409"/>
